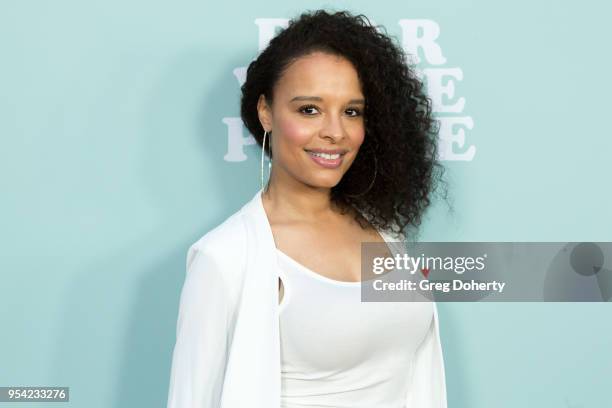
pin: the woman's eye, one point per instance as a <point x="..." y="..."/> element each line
<point x="306" y="109"/>
<point x="310" y="110"/>
<point x="357" y="112"/>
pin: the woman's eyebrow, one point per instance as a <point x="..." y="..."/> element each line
<point x="319" y="99"/>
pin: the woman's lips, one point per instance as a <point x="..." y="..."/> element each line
<point x="329" y="163"/>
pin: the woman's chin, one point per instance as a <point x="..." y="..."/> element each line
<point x="324" y="182"/>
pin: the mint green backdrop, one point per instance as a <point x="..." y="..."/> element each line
<point x="115" y="126"/>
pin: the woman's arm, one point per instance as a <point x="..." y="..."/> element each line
<point x="200" y="353"/>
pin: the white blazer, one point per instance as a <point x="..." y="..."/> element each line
<point x="227" y="351"/>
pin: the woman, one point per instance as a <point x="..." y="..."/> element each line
<point x="270" y="312"/>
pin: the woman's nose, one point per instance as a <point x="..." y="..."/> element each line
<point x="332" y="127"/>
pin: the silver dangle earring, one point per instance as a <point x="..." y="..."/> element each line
<point x="263" y="149"/>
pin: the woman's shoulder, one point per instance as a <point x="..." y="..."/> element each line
<point x="225" y="238"/>
<point x="230" y="234"/>
<point x="225" y="245"/>
<point x="220" y="253"/>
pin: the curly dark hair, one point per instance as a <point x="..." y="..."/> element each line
<point x="391" y="180"/>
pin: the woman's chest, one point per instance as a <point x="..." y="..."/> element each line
<point x="324" y="323"/>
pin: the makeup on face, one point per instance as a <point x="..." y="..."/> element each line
<point x="318" y="118"/>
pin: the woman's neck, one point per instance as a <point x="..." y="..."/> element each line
<point x="301" y="203"/>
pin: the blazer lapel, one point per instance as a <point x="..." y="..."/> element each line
<point x="253" y="371"/>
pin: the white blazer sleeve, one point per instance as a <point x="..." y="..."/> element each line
<point x="200" y="352"/>
<point x="427" y="383"/>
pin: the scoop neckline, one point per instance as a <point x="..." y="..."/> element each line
<point x="317" y="275"/>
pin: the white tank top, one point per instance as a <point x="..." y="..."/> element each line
<point x="339" y="352"/>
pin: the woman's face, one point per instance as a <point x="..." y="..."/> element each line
<point x="316" y="120"/>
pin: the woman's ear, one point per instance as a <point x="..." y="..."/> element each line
<point x="265" y="113"/>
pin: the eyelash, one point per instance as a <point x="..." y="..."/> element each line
<point x="357" y="111"/>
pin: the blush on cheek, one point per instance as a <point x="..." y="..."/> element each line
<point x="294" y="133"/>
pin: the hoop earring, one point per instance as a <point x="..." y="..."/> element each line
<point x="263" y="148"/>
<point x="371" y="183"/>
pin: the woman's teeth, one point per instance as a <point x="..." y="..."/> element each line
<point x="326" y="156"/>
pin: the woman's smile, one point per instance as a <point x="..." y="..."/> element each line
<point x="329" y="159"/>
